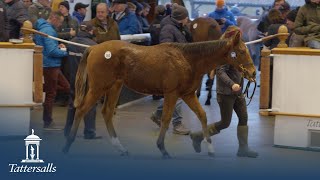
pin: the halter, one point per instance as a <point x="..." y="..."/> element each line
<point x="243" y="72"/>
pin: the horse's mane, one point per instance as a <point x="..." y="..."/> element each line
<point x="197" y="48"/>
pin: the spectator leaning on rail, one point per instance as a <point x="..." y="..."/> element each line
<point x="16" y="15"/>
<point x="264" y="23"/>
<point x="295" y="40"/>
<point x="52" y="55"/>
<point x="224" y="17"/>
<point x="173" y="29"/>
<point x="40" y="9"/>
<point x="105" y="28"/>
<point x="307" y="23"/>
<point x="84" y="36"/>
<point x="127" y="21"/>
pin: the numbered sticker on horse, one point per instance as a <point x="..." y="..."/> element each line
<point x="233" y="54"/>
<point x="195" y="26"/>
<point x="107" y="55"/>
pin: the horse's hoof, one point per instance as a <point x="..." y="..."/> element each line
<point x="125" y="153"/>
<point x="211" y="154"/>
<point x="65" y="150"/>
<point x="166" y="156"/>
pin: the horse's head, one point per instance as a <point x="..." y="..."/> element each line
<point x="238" y="54"/>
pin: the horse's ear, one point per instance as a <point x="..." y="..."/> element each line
<point x="237" y="38"/>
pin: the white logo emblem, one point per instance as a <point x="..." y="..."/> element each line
<point x="35" y="141"/>
<point x="195" y="26"/>
<point x="107" y="55"/>
<point x="33" y="162"/>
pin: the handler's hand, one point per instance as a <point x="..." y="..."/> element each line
<point x="236" y="87"/>
<point x="62" y="46"/>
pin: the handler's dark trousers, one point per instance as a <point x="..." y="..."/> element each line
<point x="227" y="104"/>
<point x="90" y="117"/>
<point x="53" y="81"/>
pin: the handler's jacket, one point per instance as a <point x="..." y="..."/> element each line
<point x="52" y="55"/>
<point x="75" y="54"/>
<point x="307" y="22"/>
<point x="227" y="76"/>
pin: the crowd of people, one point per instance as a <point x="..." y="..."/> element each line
<point x="109" y="21"/>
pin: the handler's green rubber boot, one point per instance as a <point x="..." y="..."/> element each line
<point x="244" y="150"/>
<point x="197" y="137"/>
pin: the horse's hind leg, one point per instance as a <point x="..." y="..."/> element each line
<point x="192" y="101"/>
<point x="168" y="108"/>
<point x="108" y="108"/>
<point x="212" y="73"/>
<point x="199" y="88"/>
<point x="88" y="102"/>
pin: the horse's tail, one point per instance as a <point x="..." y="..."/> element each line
<point x="81" y="79"/>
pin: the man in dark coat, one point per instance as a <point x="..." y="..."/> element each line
<point x="84" y="36"/>
<point x="3" y="24"/>
<point x="173" y="29"/>
<point x="16" y="14"/>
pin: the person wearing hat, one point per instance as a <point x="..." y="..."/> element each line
<point x="70" y="25"/>
<point x="223" y="16"/>
<point x="264" y="23"/>
<point x="127" y="21"/>
<point x="105" y="28"/>
<point x="80" y="11"/>
<point x="173" y="29"/>
<point x="84" y="36"/>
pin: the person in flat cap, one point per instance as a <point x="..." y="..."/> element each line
<point x="80" y="11"/>
<point x="173" y="29"/>
<point x="223" y="16"/>
<point x="127" y="20"/>
<point x="84" y="36"/>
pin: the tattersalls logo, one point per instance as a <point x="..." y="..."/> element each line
<point x="32" y="163"/>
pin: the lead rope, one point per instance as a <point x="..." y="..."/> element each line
<point x="246" y="91"/>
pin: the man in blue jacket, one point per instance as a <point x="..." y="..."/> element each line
<point x="223" y="16"/>
<point x="127" y="21"/>
<point x="52" y="55"/>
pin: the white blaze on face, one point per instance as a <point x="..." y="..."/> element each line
<point x="107" y="54"/>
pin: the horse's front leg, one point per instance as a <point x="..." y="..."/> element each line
<point x="108" y="109"/>
<point x="168" y="108"/>
<point x="192" y="101"/>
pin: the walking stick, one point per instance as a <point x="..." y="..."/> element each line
<point x="51" y="37"/>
